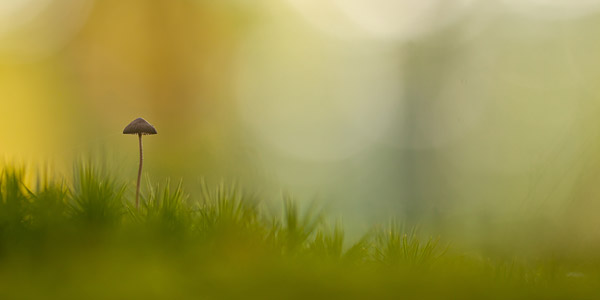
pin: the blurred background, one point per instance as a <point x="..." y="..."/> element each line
<point x="463" y="116"/>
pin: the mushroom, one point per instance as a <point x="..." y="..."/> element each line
<point x="140" y="127"/>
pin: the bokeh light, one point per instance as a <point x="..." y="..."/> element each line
<point x="309" y="101"/>
<point x="381" y="19"/>
<point x="554" y="8"/>
<point x="24" y="31"/>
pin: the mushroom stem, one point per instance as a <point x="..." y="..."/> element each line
<point x="137" y="190"/>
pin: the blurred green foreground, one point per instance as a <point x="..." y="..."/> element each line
<point x="82" y="239"/>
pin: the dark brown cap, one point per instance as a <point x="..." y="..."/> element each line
<point x="139" y="126"/>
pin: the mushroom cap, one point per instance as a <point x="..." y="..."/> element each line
<point x="139" y="126"/>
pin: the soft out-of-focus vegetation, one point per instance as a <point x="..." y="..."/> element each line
<point x="83" y="238"/>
